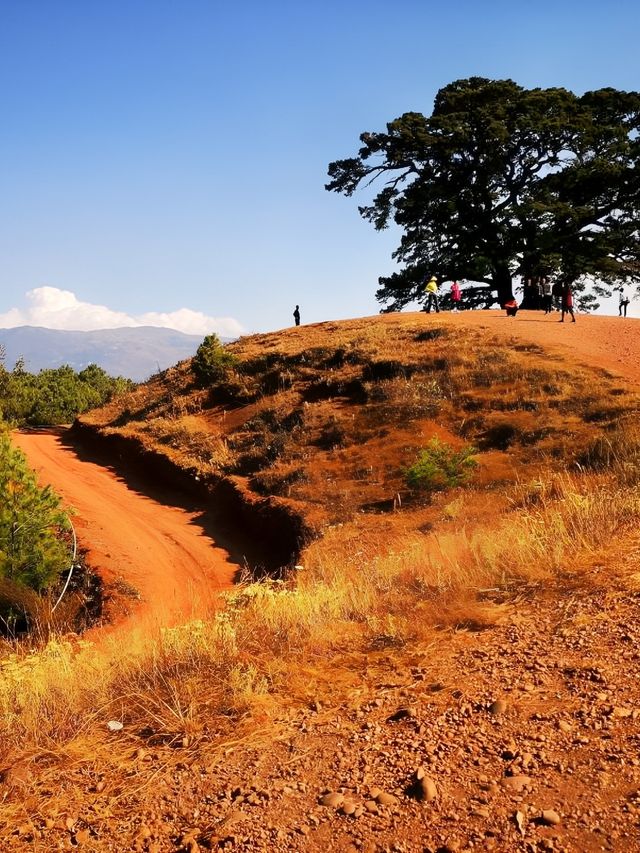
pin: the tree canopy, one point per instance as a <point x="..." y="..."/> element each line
<point x="502" y="181"/>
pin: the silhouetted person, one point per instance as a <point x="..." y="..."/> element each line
<point x="567" y="303"/>
<point x="624" y="301"/>
<point x="296" y="315"/>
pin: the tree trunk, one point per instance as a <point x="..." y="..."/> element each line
<point x="503" y="284"/>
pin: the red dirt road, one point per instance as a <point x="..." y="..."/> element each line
<point x="159" y="550"/>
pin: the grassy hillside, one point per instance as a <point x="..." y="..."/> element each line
<point x="328" y="419"/>
<point x="325" y="421"/>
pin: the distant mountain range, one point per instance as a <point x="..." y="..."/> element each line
<point x="135" y="352"/>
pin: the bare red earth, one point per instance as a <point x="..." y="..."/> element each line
<point x="158" y="550"/>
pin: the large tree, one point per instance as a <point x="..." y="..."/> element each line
<point x="502" y="181"/>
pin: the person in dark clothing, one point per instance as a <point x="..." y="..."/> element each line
<point x="296" y="315"/>
<point x="567" y="303"/>
<point x="623" y="303"/>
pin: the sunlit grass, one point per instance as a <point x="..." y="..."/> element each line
<point x="350" y="591"/>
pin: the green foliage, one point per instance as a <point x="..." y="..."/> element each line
<point x="440" y="467"/>
<point x="502" y="181"/>
<point x="212" y="361"/>
<point x="31" y="550"/>
<point x="54" y="396"/>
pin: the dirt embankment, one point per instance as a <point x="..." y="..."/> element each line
<point x="263" y="534"/>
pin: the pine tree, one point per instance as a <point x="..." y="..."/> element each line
<point x="32" y="552"/>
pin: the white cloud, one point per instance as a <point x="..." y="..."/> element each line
<point x="61" y="309"/>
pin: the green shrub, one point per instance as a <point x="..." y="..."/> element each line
<point x="32" y="552"/>
<point x="212" y="361"/>
<point x="55" y="395"/>
<point x="440" y="467"/>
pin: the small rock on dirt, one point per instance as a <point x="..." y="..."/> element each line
<point x="550" y="817"/>
<point x="427" y="789"/>
<point x="386" y="799"/>
<point x="516" y="783"/>
<point x="333" y="800"/>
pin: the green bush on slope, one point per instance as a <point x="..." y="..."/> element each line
<point x="440" y="467"/>
<point x="31" y="520"/>
<point x="212" y="361"/>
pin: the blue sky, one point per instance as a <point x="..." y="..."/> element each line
<point x="167" y="159"/>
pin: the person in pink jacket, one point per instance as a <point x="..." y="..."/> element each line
<point x="567" y="303"/>
<point x="456" y="295"/>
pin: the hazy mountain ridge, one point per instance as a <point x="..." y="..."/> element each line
<point x="135" y="352"/>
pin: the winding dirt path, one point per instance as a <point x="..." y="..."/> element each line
<point x="155" y="548"/>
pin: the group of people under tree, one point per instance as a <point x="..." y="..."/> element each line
<point x="432" y="294"/>
<point x="498" y="178"/>
<point x="539" y="294"/>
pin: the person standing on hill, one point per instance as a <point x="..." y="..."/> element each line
<point x="296" y="315"/>
<point x="456" y="295"/>
<point x="431" y="289"/>
<point x="624" y="301"/>
<point x="567" y="303"/>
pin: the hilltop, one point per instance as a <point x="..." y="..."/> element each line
<point x="399" y="669"/>
<point x="319" y="424"/>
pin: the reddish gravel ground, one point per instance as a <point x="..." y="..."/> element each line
<point x="521" y="737"/>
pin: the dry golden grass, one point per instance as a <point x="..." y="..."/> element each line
<point x="560" y="463"/>
<point x="357" y="590"/>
